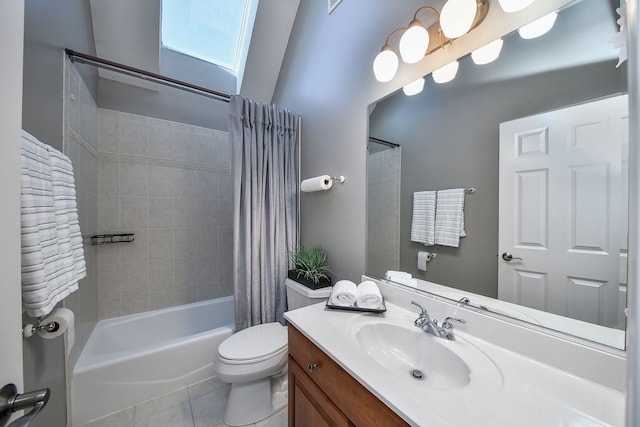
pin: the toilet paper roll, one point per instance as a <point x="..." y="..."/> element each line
<point x="423" y="259"/>
<point x="319" y="183"/>
<point x="63" y="317"/>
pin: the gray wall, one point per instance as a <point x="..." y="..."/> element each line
<point x="449" y="136"/>
<point x="327" y="78"/>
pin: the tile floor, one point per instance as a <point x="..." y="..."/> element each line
<point x="199" y="405"/>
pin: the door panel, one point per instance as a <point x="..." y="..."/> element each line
<point x="563" y="198"/>
<point x="11" y="32"/>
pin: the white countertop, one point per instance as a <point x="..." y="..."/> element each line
<point x="524" y="392"/>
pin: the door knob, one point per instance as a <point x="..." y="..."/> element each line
<point x="508" y="257"/>
<point x="11" y="401"/>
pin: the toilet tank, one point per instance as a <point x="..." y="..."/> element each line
<point x="299" y="296"/>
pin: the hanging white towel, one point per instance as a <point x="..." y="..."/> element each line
<point x="52" y="254"/>
<point x="449" y="225"/>
<point x="423" y="219"/>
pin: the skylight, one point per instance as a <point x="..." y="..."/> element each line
<point x="211" y="30"/>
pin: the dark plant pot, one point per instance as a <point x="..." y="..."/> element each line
<point x="323" y="283"/>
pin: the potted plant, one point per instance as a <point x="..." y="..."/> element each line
<point x="310" y="267"/>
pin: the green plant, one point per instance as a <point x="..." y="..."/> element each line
<point x="311" y="263"/>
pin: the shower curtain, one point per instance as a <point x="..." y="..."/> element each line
<point x="264" y="174"/>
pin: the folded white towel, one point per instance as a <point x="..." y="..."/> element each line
<point x="449" y="226"/>
<point x="392" y="274"/>
<point x="369" y="295"/>
<point x="344" y="293"/>
<point x="423" y="219"/>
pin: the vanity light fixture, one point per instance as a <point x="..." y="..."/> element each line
<point x="446" y="73"/>
<point x="538" y="27"/>
<point x="385" y="65"/>
<point x="414" y="87"/>
<point x="511" y="6"/>
<point x="458" y="17"/>
<point x="415" y="40"/>
<point x="487" y="53"/>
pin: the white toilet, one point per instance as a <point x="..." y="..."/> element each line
<point x="254" y="361"/>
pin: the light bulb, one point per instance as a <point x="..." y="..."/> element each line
<point x="414" y="87"/>
<point x="457" y="16"/>
<point x="447" y="73"/>
<point x="538" y="27"/>
<point x="385" y="65"/>
<point x="487" y="53"/>
<point x="511" y="6"/>
<point x="414" y="43"/>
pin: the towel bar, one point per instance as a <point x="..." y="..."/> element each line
<point x="108" y="239"/>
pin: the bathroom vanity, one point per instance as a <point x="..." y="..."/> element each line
<point x="354" y="368"/>
<point x="322" y="393"/>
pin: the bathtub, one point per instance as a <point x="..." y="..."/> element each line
<point x="130" y="359"/>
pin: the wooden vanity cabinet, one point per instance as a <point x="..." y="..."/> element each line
<point x="321" y="393"/>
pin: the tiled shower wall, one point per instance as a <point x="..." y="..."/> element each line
<point x="383" y="211"/>
<point x="169" y="184"/>
<point x="80" y="143"/>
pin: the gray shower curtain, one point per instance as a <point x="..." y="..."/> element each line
<point x="264" y="174"/>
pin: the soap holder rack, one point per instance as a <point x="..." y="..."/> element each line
<point x="109" y="239"/>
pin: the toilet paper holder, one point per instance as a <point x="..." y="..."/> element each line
<point x="340" y="178"/>
<point x="29" y="330"/>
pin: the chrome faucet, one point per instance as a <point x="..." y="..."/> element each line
<point x="431" y="326"/>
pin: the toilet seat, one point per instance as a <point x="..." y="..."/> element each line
<point x="254" y="344"/>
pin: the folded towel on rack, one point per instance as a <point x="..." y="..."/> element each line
<point x="369" y="295"/>
<point x="52" y="255"/>
<point x="343" y="293"/>
<point x="423" y="219"/>
<point x="393" y="274"/>
<point x="449" y="224"/>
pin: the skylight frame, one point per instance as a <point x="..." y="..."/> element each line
<point x="243" y="33"/>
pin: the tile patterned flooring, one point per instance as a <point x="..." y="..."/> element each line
<point x="199" y="405"/>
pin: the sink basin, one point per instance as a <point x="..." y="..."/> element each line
<point x="411" y="353"/>
<point x="407" y="358"/>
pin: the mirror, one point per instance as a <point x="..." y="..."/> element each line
<point x="448" y="136"/>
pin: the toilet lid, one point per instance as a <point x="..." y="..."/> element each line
<point x="255" y="342"/>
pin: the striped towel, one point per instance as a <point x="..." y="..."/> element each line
<point x="424" y="216"/>
<point x="450" y="217"/>
<point x="52" y="254"/>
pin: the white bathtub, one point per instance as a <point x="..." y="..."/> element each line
<point x="130" y="359"/>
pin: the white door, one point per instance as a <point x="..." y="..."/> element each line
<point x="11" y="33"/>
<point x="563" y="203"/>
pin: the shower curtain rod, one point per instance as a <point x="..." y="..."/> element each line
<point x="382" y="141"/>
<point x="83" y="58"/>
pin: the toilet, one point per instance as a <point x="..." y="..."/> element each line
<point x="254" y="362"/>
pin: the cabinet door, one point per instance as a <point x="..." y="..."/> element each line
<point x="308" y="405"/>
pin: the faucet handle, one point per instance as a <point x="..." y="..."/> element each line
<point x="447" y="322"/>
<point x="424" y="310"/>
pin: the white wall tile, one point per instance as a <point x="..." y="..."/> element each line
<point x="108" y="133"/>
<point x="108" y="214"/>
<point x="134" y="212"/>
<point x="138" y="250"/>
<point x="174" y="210"/>
<point x="133" y="135"/>
<point x="161" y="244"/>
<point x="162" y="181"/>
<point x="108" y="178"/>
<point x="134" y="179"/>
<point x="161" y="212"/>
